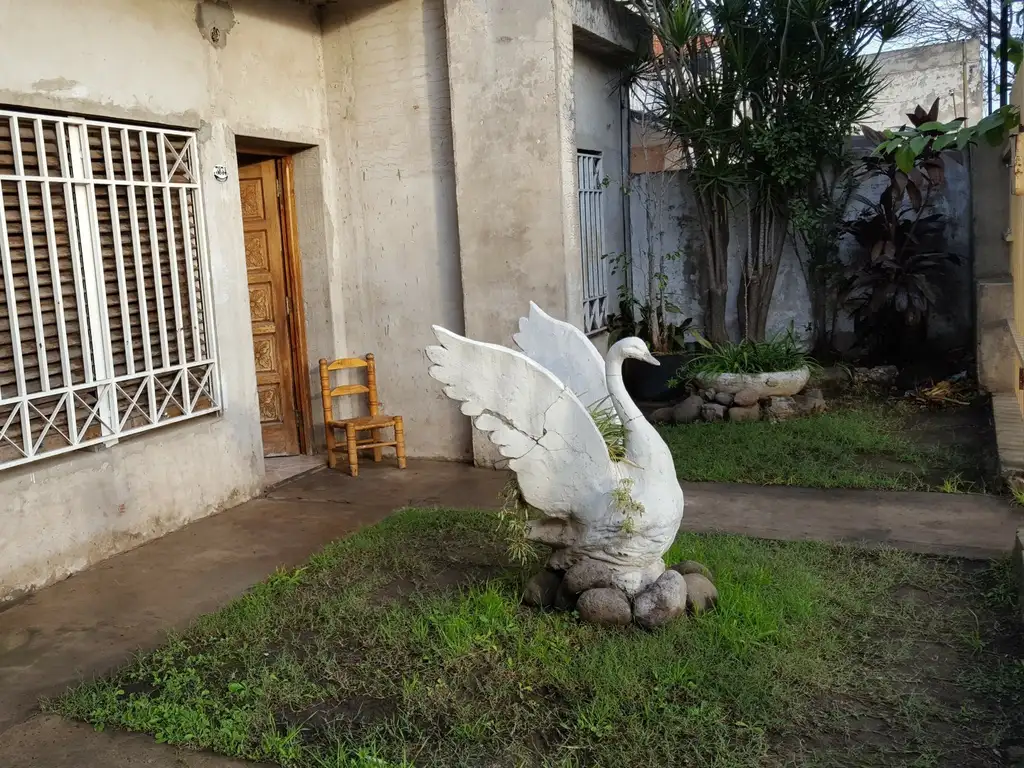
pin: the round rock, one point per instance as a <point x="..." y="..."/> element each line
<point x="542" y="588"/>
<point x="687" y="411"/>
<point x="662" y="416"/>
<point x="812" y="401"/>
<point x="712" y="412"/>
<point x="724" y="398"/>
<point x="588" y="574"/>
<point x="746" y="398"/>
<point x="701" y="594"/>
<point x="606" y="606"/>
<point x="663" y="601"/>
<point x="692" y="566"/>
<point x="564" y="599"/>
<point x="781" y="408"/>
<point x="745" y="413"/>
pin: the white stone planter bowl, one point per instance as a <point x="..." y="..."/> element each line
<point x="778" y="384"/>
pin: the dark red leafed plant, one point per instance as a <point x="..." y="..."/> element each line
<point x="901" y="269"/>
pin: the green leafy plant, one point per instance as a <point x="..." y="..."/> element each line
<point x="648" y="318"/>
<point x="782" y="352"/>
<point x="819" y="225"/>
<point x="630" y="508"/>
<point x="514" y="517"/>
<point x="901" y="270"/>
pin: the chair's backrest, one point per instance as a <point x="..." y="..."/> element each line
<point x="345" y="390"/>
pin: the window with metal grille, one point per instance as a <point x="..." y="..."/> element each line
<point x="590" y="178"/>
<point x="105" y="322"/>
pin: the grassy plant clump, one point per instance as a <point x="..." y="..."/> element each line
<point x="611" y="429"/>
<point x="780" y="353"/>
<point x="514" y="523"/>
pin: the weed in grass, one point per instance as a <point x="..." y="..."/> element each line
<point x="955" y="483"/>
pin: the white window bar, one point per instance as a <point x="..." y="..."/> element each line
<point x="105" y="287"/>
<point x="590" y="178"/>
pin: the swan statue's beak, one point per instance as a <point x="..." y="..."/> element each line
<point x="649" y="358"/>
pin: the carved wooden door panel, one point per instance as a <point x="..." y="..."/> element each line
<point x="268" y="308"/>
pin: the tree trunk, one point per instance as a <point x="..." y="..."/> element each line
<point x="766" y="228"/>
<point x="715" y="329"/>
<point x="818" y="294"/>
<point x="713" y="211"/>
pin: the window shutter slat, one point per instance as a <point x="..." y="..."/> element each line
<point x="103" y="272"/>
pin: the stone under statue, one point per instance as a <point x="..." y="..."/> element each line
<point x="608" y="520"/>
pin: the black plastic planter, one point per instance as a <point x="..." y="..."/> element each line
<point x="650" y="383"/>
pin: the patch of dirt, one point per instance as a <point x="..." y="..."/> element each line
<point x="340" y="714"/>
<point x="929" y="679"/>
<point x="453" y="577"/>
<point x="967" y="435"/>
<point x="960" y="444"/>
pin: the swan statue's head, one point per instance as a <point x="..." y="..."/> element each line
<point x="632" y="347"/>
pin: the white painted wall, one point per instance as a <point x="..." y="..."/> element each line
<point x="599" y="128"/>
<point x="147" y="61"/>
<point x="391" y="140"/>
<point x="365" y="86"/>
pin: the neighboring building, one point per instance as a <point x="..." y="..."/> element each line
<point x="201" y="200"/>
<point x="949" y="72"/>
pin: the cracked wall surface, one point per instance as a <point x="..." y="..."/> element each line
<point x="362" y="90"/>
<point x="147" y="62"/>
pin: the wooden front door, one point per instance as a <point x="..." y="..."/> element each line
<point x="269" y="308"/>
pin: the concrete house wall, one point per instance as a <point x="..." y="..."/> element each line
<point x="418" y="201"/>
<point x="389" y="113"/>
<point x="149" y="62"/>
<point x="601" y="127"/>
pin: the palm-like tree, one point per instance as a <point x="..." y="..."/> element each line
<point x="762" y="95"/>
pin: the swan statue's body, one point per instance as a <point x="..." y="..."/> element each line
<point x="622" y="514"/>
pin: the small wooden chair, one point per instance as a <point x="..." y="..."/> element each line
<point x="375" y="423"/>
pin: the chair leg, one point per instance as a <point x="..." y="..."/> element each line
<point x="353" y="453"/>
<point x="378" y="453"/>
<point x="400" y="441"/>
<point x="332" y="458"/>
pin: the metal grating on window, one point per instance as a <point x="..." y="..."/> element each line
<point x="590" y="178"/>
<point x="104" y="313"/>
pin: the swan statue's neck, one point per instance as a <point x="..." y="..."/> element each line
<point x="644" y="447"/>
<point x="629" y="415"/>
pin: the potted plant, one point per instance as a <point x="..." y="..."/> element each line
<point x="665" y="337"/>
<point x="778" y="366"/>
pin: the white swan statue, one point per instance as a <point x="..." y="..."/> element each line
<point x="565" y="351"/>
<point x="613" y="520"/>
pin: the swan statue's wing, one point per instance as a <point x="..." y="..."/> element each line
<point x="565" y="350"/>
<point x="552" y="443"/>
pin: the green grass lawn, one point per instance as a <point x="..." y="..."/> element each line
<point x="406" y="645"/>
<point x="859" y="445"/>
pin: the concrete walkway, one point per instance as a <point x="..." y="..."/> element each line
<point x="90" y="623"/>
